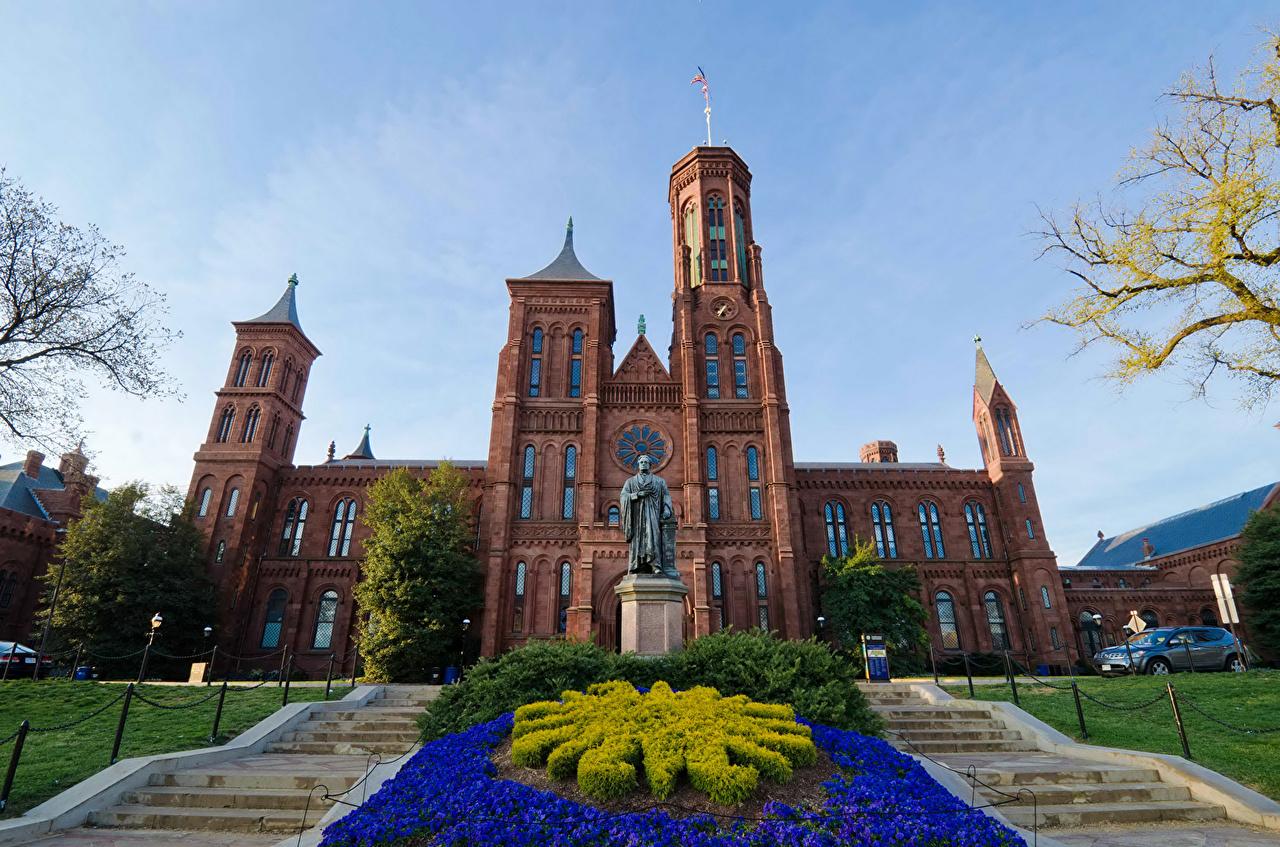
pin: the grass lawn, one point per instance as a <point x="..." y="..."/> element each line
<point x="1249" y="700"/>
<point x="54" y="761"/>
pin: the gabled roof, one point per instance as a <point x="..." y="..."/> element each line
<point x="984" y="376"/>
<point x="20" y="493"/>
<point x="285" y="311"/>
<point x="363" y="450"/>
<point x="565" y="267"/>
<point x="1206" y="524"/>
<point x="641" y="364"/>
<point x="872" y="466"/>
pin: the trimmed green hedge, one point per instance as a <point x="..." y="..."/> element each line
<point x="806" y="675"/>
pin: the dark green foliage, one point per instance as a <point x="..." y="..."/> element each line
<point x="860" y="595"/>
<point x="127" y="559"/>
<point x="804" y="674"/>
<point x="1260" y="575"/>
<point x="420" y="575"/>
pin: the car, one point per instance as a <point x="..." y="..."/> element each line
<point x="23" y="659"/>
<point x="1165" y="649"/>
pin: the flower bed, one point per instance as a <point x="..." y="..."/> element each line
<point x="447" y="795"/>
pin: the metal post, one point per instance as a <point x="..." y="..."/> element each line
<point x="48" y="621"/>
<point x="1177" y="719"/>
<point x="12" y="652"/>
<point x="1075" y="692"/>
<point x="1013" y="683"/>
<point x="328" y="678"/>
<point x="933" y="660"/>
<point x="75" y="666"/>
<point x="217" y="716"/>
<point x="355" y="664"/>
<point x="1190" y="661"/>
<point x="1128" y="648"/>
<point x="288" y="672"/>
<point x="284" y="657"/>
<point x="146" y="654"/>
<point x="124" y="715"/>
<point x="968" y="674"/>
<point x="13" y="763"/>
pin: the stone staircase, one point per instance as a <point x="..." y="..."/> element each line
<point x="1068" y="792"/>
<point x="269" y="792"/>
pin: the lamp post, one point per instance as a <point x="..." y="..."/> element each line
<point x="466" y="624"/>
<point x="156" y="621"/>
<point x="822" y="632"/>
<point x="48" y="621"/>
<point x="208" y="631"/>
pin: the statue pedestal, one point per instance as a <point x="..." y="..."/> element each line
<point x="652" y="614"/>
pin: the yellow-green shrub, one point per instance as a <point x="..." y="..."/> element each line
<point x="724" y="744"/>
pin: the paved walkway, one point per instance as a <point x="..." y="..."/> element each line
<point x="151" y="838"/>
<point x="1167" y="836"/>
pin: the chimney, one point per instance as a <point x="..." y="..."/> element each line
<point x="1147" y="550"/>
<point x="879" y="451"/>
<point x="31" y="467"/>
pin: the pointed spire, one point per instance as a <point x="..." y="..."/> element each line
<point x="984" y="376"/>
<point x="640" y="325"/>
<point x="363" y="450"/>
<point x="286" y="308"/>
<point x="565" y="267"/>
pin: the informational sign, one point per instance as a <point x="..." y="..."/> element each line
<point x="1226" y="600"/>
<point x="877" y="658"/>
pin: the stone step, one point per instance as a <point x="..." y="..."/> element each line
<point x="249" y="781"/>
<point x="398" y="703"/>
<point x="227" y="798"/>
<point x="911" y="724"/>
<point x="338" y="748"/>
<point x="1094" y="814"/>
<point x="238" y="820"/>
<point x="918" y="735"/>
<point x="934" y="748"/>
<point x="1074" y="774"/>
<point x="934" y="713"/>
<point x="355" y="727"/>
<point x="368" y="713"/>
<point x="366" y="737"/>
<point x="1092" y="792"/>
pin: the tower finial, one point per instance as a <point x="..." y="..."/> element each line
<point x="977" y="339"/>
<point x="942" y="455"/>
<point x="640" y="325"/>
<point x="293" y="280"/>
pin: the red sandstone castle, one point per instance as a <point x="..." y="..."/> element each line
<point x="569" y="423"/>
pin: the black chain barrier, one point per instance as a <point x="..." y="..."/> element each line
<point x="69" y="724"/>
<point x="183" y="658"/>
<point x="113" y="658"/>
<point x="1240" y="729"/>
<point x="1027" y="674"/>
<point x="1124" y="707"/>
<point x="138" y="695"/>
<point x="240" y="689"/>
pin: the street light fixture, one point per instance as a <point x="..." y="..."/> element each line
<point x="466" y="624"/>
<point x="156" y="621"/>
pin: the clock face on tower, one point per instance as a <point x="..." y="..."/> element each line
<point x="641" y="440"/>
<point x="724" y="308"/>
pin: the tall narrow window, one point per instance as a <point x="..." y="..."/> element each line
<point x="762" y="597"/>
<point x="242" y="369"/>
<point x="575" y="365"/>
<point x="7" y="587"/>
<point x="739" y="366"/>
<point x="1054" y="638"/>
<point x="1022" y="494"/>
<point x="205" y="497"/>
<point x="691" y="241"/>
<point x="273" y="622"/>
<point x="570" y="479"/>
<point x="344" y="522"/>
<point x="517" y="610"/>
<point x="566" y="585"/>
<point x="995" y="621"/>
<point x="717" y="253"/>
<point x="946" y="610"/>
<point x="713" y="487"/>
<point x="615" y="516"/>
<point x="1044" y="597"/>
<point x="298" y="385"/>
<point x="288" y="440"/>
<point x="740" y="241"/>
<point x="233" y="502"/>
<point x="837" y="529"/>
<point x="535" y="364"/>
<point x="931" y="530"/>
<point x="1006" y="433"/>
<point x="250" y="425"/>
<point x="1031" y="530"/>
<point x="220" y="552"/>
<point x="711" y="350"/>
<point x="264" y="372"/>
<point x="285" y="376"/>
<point x="526" y="485"/>
<point x="273" y="432"/>
<point x="753" y="476"/>
<point x="326" y="614"/>
<point x="225" y="423"/>
<point x="295" y="522"/>
<point x="975" y="517"/>
<point x="882" y="527"/>
<point x="717" y="593"/>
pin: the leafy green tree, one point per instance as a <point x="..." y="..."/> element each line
<point x="860" y="595"/>
<point x="420" y="573"/>
<point x="1260" y="575"/>
<point x="136" y="554"/>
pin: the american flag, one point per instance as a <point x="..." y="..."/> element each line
<point x="701" y="78"/>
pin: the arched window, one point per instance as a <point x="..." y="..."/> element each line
<point x="1150" y="618"/>
<point x="344" y="522"/>
<point x="740" y="241"/>
<point x="1031" y="530"/>
<point x="945" y="607"/>
<point x="615" y="516"/>
<point x="882" y="528"/>
<point x="205" y="497"/>
<point x="566" y="586"/>
<point x="220" y="552"/>
<point x="264" y="372"/>
<point x="288" y="440"/>
<point x="717" y="594"/>
<point x="295" y="522"/>
<point x="995" y="621"/>
<point x="517" y="610"/>
<point x="298" y="385"/>
<point x="1054" y="638"/>
<point x="570" y="479"/>
<point x="711" y="349"/>
<point x="931" y="530"/>
<point x="739" y="366"/>
<point x="1044" y="597"/>
<point x="273" y="432"/>
<point x="1092" y="632"/>
<point x="762" y="597"/>
<point x="713" y="487"/>
<point x="575" y="365"/>
<point x="250" y="425"/>
<point x="691" y="241"/>
<point x="717" y="254"/>
<point x="975" y="517"/>
<point x="242" y="369"/>
<point x="753" y="491"/>
<point x="233" y="502"/>
<point x="1022" y="494"/>
<point x="526" y="485"/>
<point x="1005" y="432"/>
<point x="535" y="364"/>
<point x="326" y="614"/>
<point x="8" y="584"/>
<point x="285" y="375"/>
<point x="273" y="623"/>
<point x="837" y="529"/>
<point x="225" y="423"/>
<point x="1208" y="617"/>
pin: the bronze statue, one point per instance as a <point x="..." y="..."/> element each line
<point x="648" y="523"/>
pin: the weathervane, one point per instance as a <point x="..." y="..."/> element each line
<point x="706" y="96"/>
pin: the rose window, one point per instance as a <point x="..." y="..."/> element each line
<point x="641" y="440"/>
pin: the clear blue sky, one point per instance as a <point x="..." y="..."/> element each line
<point x="404" y="158"/>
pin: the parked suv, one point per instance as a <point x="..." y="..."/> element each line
<point x="1166" y="649"/>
